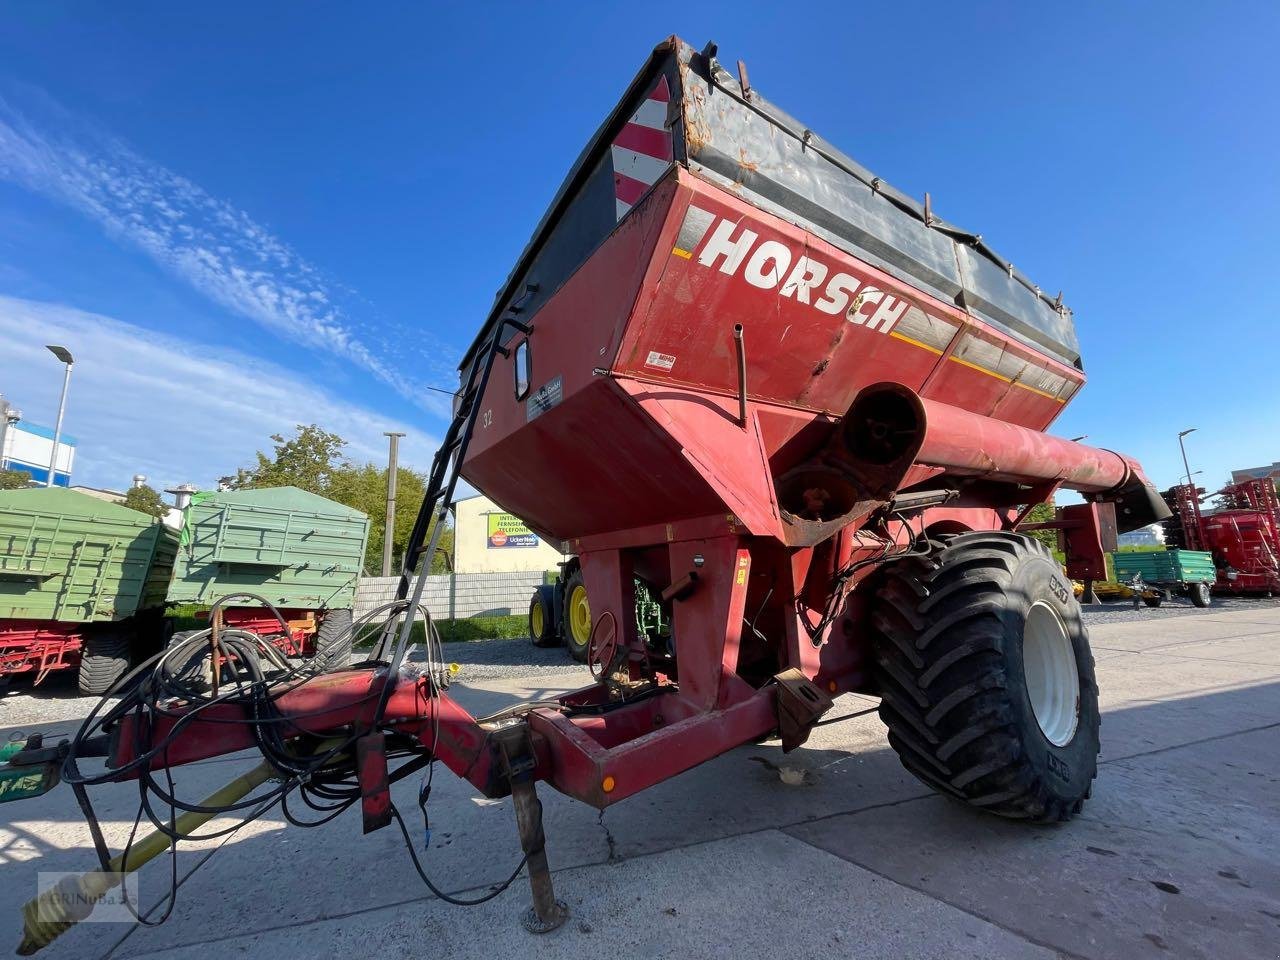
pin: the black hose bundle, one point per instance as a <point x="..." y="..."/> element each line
<point x="175" y="688"/>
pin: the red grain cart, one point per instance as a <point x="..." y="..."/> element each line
<point x="804" y="413"/>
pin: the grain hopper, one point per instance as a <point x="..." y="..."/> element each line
<point x="809" y="417"/>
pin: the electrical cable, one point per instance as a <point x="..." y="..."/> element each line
<point x="455" y="901"/>
<point x="172" y="690"/>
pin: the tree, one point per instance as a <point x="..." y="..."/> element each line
<point x="365" y="489"/>
<point x="312" y="460"/>
<point x="14" y="479"/>
<point x="1043" y="513"/>
<point x="307" y="461"/>
<point x="147" y="500"/>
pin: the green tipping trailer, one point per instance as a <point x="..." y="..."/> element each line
<point x="82" y="582"/>
<point x="1162" y="572"/>
<point x="300" y="552"/>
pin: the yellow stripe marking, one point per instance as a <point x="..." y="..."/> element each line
<point x="1016" y="383"/>
<point x="681" y="253"/>
<point x="974" y="366"/>
<point x="915" y="343"/>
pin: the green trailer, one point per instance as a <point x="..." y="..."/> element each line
<point x="300" y="552"/>
<point x="82" y="583"/>
<point x="1155" y="575"/>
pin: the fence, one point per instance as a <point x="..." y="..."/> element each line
<point x="451" y="596"/>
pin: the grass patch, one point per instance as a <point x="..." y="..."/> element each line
<point x="451" y="631"/>
<point x="184" y="616"/>
<point x="467" y="629"/>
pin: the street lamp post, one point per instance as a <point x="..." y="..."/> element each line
<point x="63" y="354"/>
<point x="388" y="533"/>
<point x="1183" y="447"/>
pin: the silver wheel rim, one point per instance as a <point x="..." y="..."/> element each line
<point x="1049" y="667"/>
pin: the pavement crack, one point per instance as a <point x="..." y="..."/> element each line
<point x="608" y="839"/>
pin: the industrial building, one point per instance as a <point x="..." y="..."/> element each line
<point x="29" y="447"/>
<point x="1256" y="473"/>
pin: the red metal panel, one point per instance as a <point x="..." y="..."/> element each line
<point x="820" y="324"/>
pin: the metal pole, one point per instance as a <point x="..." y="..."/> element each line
<point x="1183" y="447"/>
<point x="57" y="429"/>
<point x="741" y="349"/>
<point x="5" y="407"/>
<point x="389" y="532"/>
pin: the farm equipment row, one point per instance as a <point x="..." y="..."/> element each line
<point x="1242" y="536"/>
<point x="84" y="583"/>
<point x="791" y="424"/>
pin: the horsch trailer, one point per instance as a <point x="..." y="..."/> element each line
<point x="807" y="415"/>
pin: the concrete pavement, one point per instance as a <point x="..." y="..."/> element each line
<point x="1176" y="855"/>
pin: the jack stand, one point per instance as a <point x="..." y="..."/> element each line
<point x="547" y="913"/>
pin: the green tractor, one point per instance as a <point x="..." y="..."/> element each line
<point x="560" y="615"/>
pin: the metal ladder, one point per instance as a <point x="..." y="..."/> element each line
<point x="445" y="470"/>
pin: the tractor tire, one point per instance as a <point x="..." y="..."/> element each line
<point x="986" y="678"/>
<point x="576" y="617"/>
<point x="104" y="659"/>
<point x="196" y="670"/>
<point x="543" y="626"/>
<point x="334" y="640"/>
<point x="1153" y="602"/>
<point x="1200" y="595"/>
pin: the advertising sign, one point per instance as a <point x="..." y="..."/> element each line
<point x="505" y="530"/>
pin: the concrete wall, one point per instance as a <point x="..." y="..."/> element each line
<point x="475" y="551"/>
<point x="451" y="596"/>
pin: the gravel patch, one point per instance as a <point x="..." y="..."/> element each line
<point x="1122" y="611"/>
<point x="506" y="659"/>
<point x="55" y="707"/>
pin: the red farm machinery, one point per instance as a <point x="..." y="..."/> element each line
<point x="1242" y="533"/>
<point x="805" y="415"/>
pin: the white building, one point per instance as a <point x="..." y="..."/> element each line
<point x="29" y="447"/>
<point x="1152" y="536"/>
<point x="489" y="540"/>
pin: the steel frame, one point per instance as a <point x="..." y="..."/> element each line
<point x="39" y="646"/>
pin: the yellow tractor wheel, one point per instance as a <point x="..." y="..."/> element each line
<point x="577" y="616"/>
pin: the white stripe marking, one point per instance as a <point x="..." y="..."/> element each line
<point x="652" y="114"/>
<point x="622" y="207"/>
<point x="637" y="166"/>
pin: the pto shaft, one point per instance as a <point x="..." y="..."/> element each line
<point x="72" y="899"/>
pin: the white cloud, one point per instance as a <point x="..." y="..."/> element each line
<point x="216" y="248"/>
<point x="177" y="411"/>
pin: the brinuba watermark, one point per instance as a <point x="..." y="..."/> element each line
<point x="86" y="897"/>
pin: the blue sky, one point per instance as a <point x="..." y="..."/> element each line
<point x="243" y="216"/>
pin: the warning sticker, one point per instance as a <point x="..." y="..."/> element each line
<point x="663" y="361"/>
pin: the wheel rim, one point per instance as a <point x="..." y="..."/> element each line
<point x="579" y="616"/>
<point x="1053" y="680"/>
<point x="535" y="619"/>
